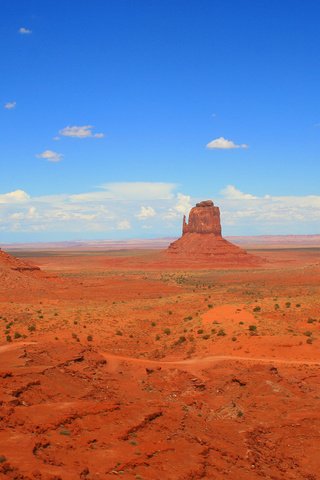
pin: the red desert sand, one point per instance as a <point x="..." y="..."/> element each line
<point x="120" y="364"/>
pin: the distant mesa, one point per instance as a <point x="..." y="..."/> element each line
<point x="202" y="239"/>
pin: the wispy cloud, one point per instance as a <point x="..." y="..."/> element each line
<point x="10" y="105"/>
<point x="24" y="31"/>
<point x="84" y="131"/>
<point x="145" y="213"/>
<point x="222" y="143"/>
<point x="50" y="156"/>
<point x="123" y="225"/>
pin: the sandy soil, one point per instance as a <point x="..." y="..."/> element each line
<point x="119" y="364"/>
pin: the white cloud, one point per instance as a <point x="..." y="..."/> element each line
<point x="182" y="207"/>
<point x="140" y="190"/>
<point x="269" y="214"/>
<point x="24" y="31"/>
<point x="230" y="191"/>
<point x="30" y="214"/>
<point x="10" y="105"/>
<point x="14" y="197"/>
<point x="116" y="211"/>
<point x="183" y="204"/>
<point x="222" y="143"/>
<point x="51" y="156"/>
<point x="145" y="213"/>
<point x="84" y="131"/>
<point x="123" y="225"/>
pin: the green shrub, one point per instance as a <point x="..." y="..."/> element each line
<point x="221" y="333"/>
<point x="180" y="340"/>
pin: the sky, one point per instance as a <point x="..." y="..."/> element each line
<point x="118" y="115"/>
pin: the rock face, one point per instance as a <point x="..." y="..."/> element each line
<point x="203" y="218"/>
<point x="202" y="239"/>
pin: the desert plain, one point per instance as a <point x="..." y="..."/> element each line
<point x="120" y="364"/>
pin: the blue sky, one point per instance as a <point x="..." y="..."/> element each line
<point x="116" y="116"/>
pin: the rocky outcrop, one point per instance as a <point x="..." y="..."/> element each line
<point x="12" y="263"/>
<point x="202" y="240"/>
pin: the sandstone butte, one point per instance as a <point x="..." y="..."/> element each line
<point x="202" y="240"/>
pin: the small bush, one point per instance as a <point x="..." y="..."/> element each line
<point x="221" y="333"/>
<point x="288" y="304"/>
<point x="180" y="340"/>
<point x="311" y="320"/>
<point x="252" y="328"/>
<point x="167" y="331"/>
<point x="308" y="333"/>
<point x="89" y="338"/>
<point x="8" y="338"/>
<point x="31" y="328"/>
<point x="257" y="309"/>
<point x="200" y="331"/>
<point x="119" y="333"/>
<point x="17" y="335"/>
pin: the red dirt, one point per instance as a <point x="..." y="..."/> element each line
<point x="124" y="365"/>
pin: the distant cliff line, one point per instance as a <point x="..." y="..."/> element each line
<point x="252" y="241"/>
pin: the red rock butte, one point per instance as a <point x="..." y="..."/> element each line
<point x="202" y="239"/>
